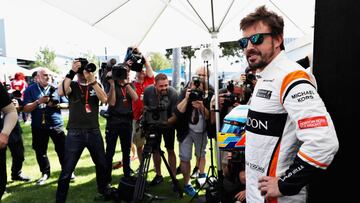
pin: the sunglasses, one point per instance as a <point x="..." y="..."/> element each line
<point x="255" y="39"/>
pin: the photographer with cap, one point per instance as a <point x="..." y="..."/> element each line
<point x="42" y="99"/>
<point x="161" y="99"/>
<point x="83" y="126"/>
<point x="192" y="114"/>
<point x="119" y="123"/>
<point x="9" y="118"/>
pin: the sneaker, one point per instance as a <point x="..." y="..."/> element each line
<point x="157" y="180"/>
<point x="21" y="177"/>
<point x="202" y="175"/>
<point x="42" y="180"/>
<point x="189" y="190"/>
<point x="195" y="173"/>
<point x="72" y="178"/>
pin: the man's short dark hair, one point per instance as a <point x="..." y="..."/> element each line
<point x="160" y="76"/>
<point x="269" y="18"/>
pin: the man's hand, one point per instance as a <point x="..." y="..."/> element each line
<point x="198" y="105"/>
<point x="3" y="140"/>
<point x="75" y="66"/>
<point x="89" y="76"/>
<point x="269" y="187"/>
<point x="43" y="99"/>
<point x="110" y="80"/>
<point x="240" y="196"/>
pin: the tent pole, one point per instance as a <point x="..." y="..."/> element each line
<point x="215" y="48"/>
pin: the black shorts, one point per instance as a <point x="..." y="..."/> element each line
<point x="169" y="138"/>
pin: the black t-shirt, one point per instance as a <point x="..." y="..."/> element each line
<point x="78" y="117"/>
<point x="4" y="97"/>
<point x="122" y="111"/>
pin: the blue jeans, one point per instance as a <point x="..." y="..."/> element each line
<point x="124" y="132"/>
<point x="75" y="142"/>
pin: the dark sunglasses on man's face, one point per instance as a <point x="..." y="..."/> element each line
<point x="255" y="39"/>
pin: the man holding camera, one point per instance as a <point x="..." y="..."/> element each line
<point x="143" y="79"/>
<point x="119" y="123"/>
<point x="83" y="126"/>
<point x="42" y="101"/>
<point x="9" y="119"/>
<point x="160" y="101"/>
<point x="193" y="113"/>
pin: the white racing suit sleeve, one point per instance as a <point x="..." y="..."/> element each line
<point x="314" y="128"/>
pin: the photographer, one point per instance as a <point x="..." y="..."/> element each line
<point x="83" y="126"/>
<point x="143" y="79"/>
<point x="9" y="119"/>
<point x="159" y="104"/>
<point x="119" y="123"/>
<point x="192" y="113"/>
<point x="41" y="99"/>
<point x="16" y="144"/>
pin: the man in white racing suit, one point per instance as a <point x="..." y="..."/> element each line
<point x="290" y="137"/>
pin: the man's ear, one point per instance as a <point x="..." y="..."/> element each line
<point x="278" y="40"/>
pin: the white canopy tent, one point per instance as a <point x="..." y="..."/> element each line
<point x="160" y="24"/>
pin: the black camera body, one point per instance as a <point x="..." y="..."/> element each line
<point x="85" y="65"/>
<point x="137" y="59"/>
<point x="52" y="99"/>
<point x="118" y="72"/>
<point x="196" y="95"/>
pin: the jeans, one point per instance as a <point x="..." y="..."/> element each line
<point x="75" y="142"/>
<point x="40" y="140"/>
<point x="17" y="154"/>
<point x="124" y="132"/>
<point x="3" y="178"/>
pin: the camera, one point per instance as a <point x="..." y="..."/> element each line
<point x="136" y="57"/>
<point x="118" y="72"/>
<point x="52" y="99"/>
<point x="196" y="94"/>
<point x="16" y="94"/>
<point x="155" y="116"/>
<point x="85" y="65"/>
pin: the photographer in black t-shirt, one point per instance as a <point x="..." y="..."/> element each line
<point x="119" y="123"/>
<point x="83" y="128"/>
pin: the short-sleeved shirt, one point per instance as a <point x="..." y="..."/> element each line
<point x="78" y="117"/>
<point x="52" y="114"/>
<point x="138" y="105"/>
<point x="122" y="111"/>
<point x="151" y="99"/>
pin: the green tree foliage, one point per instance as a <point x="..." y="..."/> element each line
<point x="159" y="61"/>
<point x="232" y="49"/>
<point x="46" y="58"/>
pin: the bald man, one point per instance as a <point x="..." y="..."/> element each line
<point x="41" y="99"/>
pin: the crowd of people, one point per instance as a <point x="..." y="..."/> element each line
<point x="290" y="137"/>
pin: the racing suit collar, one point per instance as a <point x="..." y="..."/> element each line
<point x="268" y="68"/>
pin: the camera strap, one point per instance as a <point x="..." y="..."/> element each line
<point x="87" y="105"/>
<point x="43" y="92"/>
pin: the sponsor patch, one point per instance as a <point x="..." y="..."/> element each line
<point x="264" y="93"/>
<point x="313" y="122"/>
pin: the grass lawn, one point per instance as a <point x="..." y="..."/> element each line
<point x="84" y="188"/>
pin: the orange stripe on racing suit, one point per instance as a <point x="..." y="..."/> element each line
<point x="312" y="160"/>
<point x="290" y="78"/>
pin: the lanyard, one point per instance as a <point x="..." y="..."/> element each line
<point x="123" y="91"/>
<point x="42" y="92"/>
<point x="86" y="93"/>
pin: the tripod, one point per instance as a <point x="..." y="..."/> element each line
<point x="139" y="191"/>
<point x="211" y="179"/>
